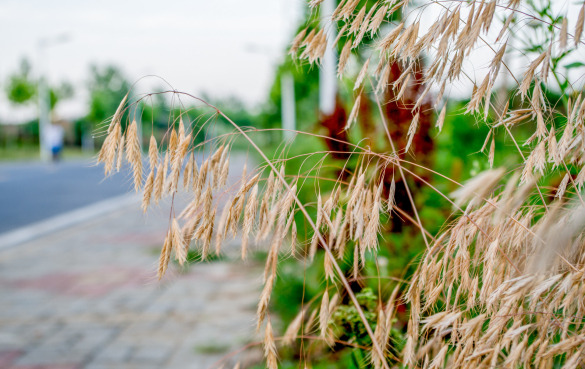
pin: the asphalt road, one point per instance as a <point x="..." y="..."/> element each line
<point x="34" y="191"/>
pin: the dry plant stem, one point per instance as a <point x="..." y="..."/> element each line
<point x="218" y="363"/>
<point x="413" y="221"/>
<point x="517" y="82"/>
<point x="574" y="184"/>
<point x="394" y="160"/>
<point x="397" y="161"/>
<point x="513" y="10"/>
<point x="524" y="159"/>
<point x="471" y="220"/>
<point x="342" y="278"/>
<point x="385" y="124"/>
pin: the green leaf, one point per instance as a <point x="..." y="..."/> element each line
<point x="574" y="65"/>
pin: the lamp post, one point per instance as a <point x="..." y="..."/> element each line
<point x="327" y="74"/>
<point x="43" y="90"/>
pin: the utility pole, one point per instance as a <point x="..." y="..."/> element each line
<point x="327" y="74"/>
<point x="287" y="82"/>
<point x="43" y="95"/>
<point x="287" y="92"/>
<point x="43" y="91"/>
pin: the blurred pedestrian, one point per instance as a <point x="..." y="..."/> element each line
<point x="54" y="136"/>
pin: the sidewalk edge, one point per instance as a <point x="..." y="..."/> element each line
<point x="30" y="232"/>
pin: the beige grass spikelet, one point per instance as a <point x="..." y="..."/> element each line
<point x="249" y="217"/>
<point x="188" y="171"/>
<point x="386" y="43"/>
<point x="363" y="28"/>
<point x="412" y="131"/>
<point x="165" y="166"/>
<point x="354" y="113"/>
<point x="177" y="163"/>
<point x="580" y="180"/>
<point x="370" y="236"/>
<point x="270" y="347"/>
<point x="324" y="317"/>
<point x="181" y="129"/>
<point x="297" y="42"/>
<point x="158" y="183"/>
<point x="403" y="85"/>
<point x="173" y="143"/>
<point x="306" y="42"/>
<point x="497" y="60"/>
<point x="357" y="21"/>
<point x="292" y="331"/>
<point x="349" y="8"/>
<point x="207" y="234"/>
<point x="383" y="80"/>
<point x="178" y="242"/>
<point x="107" y="153"/>
<point x="195" y="173"/>
<point x="148" y="188"/>
<point x="246" y="186"/>
<point x="441" y="119"/>
<point x="529" y="74"/>
<point x="222" y="226"/>
<point x="539" y="157"/>
<point x="379" y="334"/>
<point x="340" y="34"/>
<point x="153" y="152"/>
<point x="338" y="10"/>
<point x="264" y="300"/>
<point x="224" y="172"/>
<point x="579" y="26"/>
<point x="563" y="34"/>
<point x="477" y="188"/>
<point x="328" y="267"/>
<point x="505" y="27"/>
<point x="202" y="176"/>
<point x="120" y="153"/>
<point x="117" y="118"/>
<point x="360" y="78"/>
<point x="189" y="230"/>
<point x="492" y="152"/>
<point x="134" y="154"/>
<point x="343" y="58"/>
<point x="165" y="255"/>
<point x="216" y="164"/>
<point x="377" y="20"/>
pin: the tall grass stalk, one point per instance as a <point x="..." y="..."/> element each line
<point x="502" y="283"/>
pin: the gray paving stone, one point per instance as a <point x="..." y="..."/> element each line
<point x="92" y="299"/>
<point x="151" y="354"/>
<point x="51" y="355"/>
<point x="115" y="353"/>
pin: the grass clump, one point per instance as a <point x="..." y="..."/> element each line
<point x="498" y="283"/>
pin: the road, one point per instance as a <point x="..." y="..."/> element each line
<point x="34" y="191"/>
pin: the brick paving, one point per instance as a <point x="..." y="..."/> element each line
<point x="87" y="297"/>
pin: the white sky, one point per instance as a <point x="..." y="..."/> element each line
<point x="221" y="47"/>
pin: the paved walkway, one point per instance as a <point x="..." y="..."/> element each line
<point x="87" y="297"/>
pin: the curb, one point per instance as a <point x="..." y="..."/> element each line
<point x="30" y="232"/>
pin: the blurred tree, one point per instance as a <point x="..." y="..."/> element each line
<point x="107" y="87"/>
<point x="63" y="92"/>
<point x="21" y="88"/>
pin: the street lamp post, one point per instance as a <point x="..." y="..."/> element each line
<point x="327" y="74"/>
<point x="43" y="91"/>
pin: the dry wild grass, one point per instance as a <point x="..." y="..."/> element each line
<point x="503" y="284"/>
